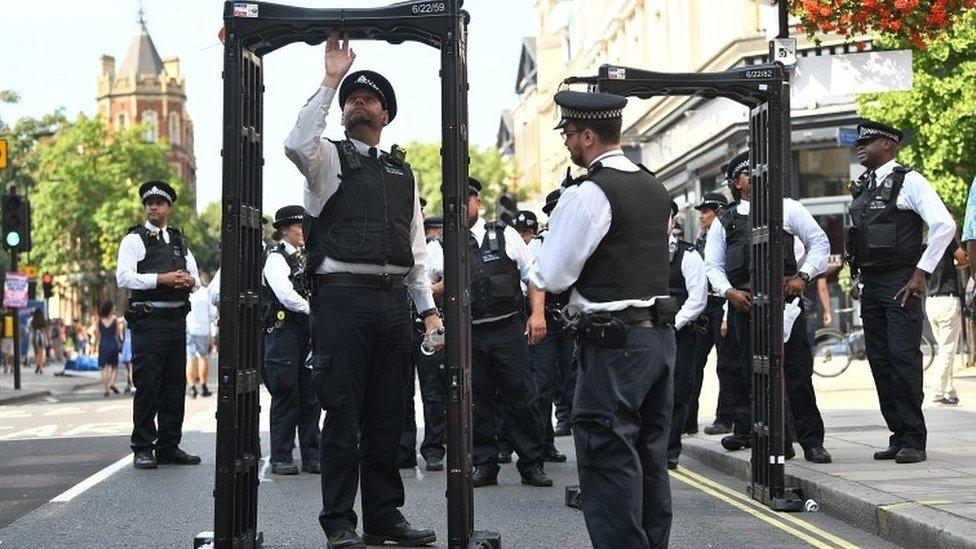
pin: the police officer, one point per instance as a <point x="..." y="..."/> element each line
<point x="527" y="225"/>
<point x="608" y="241"/>
<point x="501" y="367"/>
<point x="713" y="335"/>
<point x="686" y="284"/>
<point x="364" y="241"/>
<point x="286" y="345"/>
<point x="727" y="264"/>
<point x="891" y="203"/>
<point x="159" y="271"/>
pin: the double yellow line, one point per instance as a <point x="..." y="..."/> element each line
<point x="783" y="521"/>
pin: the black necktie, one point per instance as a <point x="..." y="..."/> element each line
<point x="372" y="152"/>
<point x="872" y="179"/>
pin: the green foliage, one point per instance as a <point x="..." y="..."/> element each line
<point x="203" y="232"/>
<point x="486" y="165"/>
<point x="938" y="113"/>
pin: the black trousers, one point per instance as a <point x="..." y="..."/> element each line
<point x="725" y="353"/>
<point x="433" y="390"/>
<point x="294" y="406"/>
<point x="684" y="379"/>
<point x="552" y="362"/>
<point x="892" y="339"/>
<point x="361" y="343"/>
<point x="565" y="378"/>
<point x="803" y="421"/>
<point x="621" y="424"/>
<point x="502" y="377"/>
<point x="159" y="376"/>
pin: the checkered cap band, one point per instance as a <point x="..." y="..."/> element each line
<point x="875" y="132"/>
<point x="591" y="115"/>
<point x="744" y="165"/>
<point x="156" y="191"/>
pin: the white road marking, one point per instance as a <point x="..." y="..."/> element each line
<point x="84" y="485"/>
<point x="107" y="428"/>
<point x="10" y="414"/>
<point x="41" y="431"/>
<point x="65" y="411"/>
<point x="109" y="407"/>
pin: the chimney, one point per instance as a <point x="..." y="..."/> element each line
<point x="171" y="66"/>
<point x="108" y="67"/>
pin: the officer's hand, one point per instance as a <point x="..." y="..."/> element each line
<point x="827" y="319"/>
<point x="724" y="330"/>
<point x="535" y="328"/>
<point x="433" y="323"/>
<point x="794" y="286"/>
<point x="914" y="288"/>
<point x="338" y="58"/>
<point x="741" y="300"/>
<point x="168" y="279"/>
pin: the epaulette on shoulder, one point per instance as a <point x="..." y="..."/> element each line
<point x="135" y="228"/>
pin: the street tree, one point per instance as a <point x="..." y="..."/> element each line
<point x="487" y="165"/>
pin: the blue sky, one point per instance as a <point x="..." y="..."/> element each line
<point x="51" y="49"/>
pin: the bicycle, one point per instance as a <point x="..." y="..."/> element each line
<point x="834" y="351"/>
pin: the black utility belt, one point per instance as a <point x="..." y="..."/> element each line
<point x="356" y="280"/>
<point x="609" y="329"/>
<point x="137" y="311"/>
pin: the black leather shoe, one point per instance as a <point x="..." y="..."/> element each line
<point x="535" y="476"/>
<point x="910" y="455"/>
<point x="205" y="391"/>
<point x="435" y="464"/>
<point x="312" y="466"/>
<point x="672" y="464"/>
<point x="736" y="442"/>
<point x="563" y="429"/>
<point x="817" y="454"/>
<point x="888" y="453"/>
<point x="950" y="401"/>
<point x="346" y="539"/>
<point x="504" y="457"/>
<point x="401" y="534"/>
<point x="144" y="459"/>
<point x="691" y="430"/>
<point x="789" y="452"/>
<point x="176" y="457"/>
<point x="718" y="428"/>
<point x="554" y="456"/>
<point x="484" y="476"/>
<point x="283" y="468"/>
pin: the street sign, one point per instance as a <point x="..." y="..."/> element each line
<point x="784" y="51"/>
<point x="15" y="290"/>
<point x="3" y="153"/>
<point x="29" y="270"/>
<point x="846" y="137"/>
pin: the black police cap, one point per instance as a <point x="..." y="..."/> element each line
<point x="288" y="215"/>
<point x="158" y="189"/>
<point x="713" y="201"/>
<point x="474" y="186"/>
<point x="737" y="165"/>
<point x="432" y="222"/>
<point x="374" y="82"/>
<point x="423" y="202"/>
<point x="588" y="106"/>
<point x="869" y="131"/>
<point x="551" y="200"/>
<point x="526" y="220"/>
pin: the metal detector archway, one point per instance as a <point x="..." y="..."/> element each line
<point x="765" y="89"/>
<point x="252" y="30"/>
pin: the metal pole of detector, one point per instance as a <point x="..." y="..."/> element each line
<point x="252" y="30"/>
<point x="764" y="89"/>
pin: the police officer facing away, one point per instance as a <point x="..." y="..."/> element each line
<point x="891" y="203"/>
<point x="608" y="241"/>
<point x="159" y="271"/>
<point x="688" y="285"/>
<point x="527" y="225"/>
<point x="728" y="264"/>
<point x="364" y="240"/>
<point x="286" y="345"/>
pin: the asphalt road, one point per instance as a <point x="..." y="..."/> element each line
<point x="52" y="446"/>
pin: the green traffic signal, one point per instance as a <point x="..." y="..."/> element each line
<point x="13" y="239"/>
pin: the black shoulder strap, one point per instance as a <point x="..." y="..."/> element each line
<point x="644" y="168"/>
<point x="349" y="157"/>
<point x="175" y="236"/>
<point x="135" y="228"/>
<point x="495" y="236"/>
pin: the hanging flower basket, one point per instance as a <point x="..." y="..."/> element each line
<point x="912" y="21"/>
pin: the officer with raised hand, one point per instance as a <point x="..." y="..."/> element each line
<point x="891" y="204"/>
<point x="608" y="242"/>
<point x="159" y="271"/>
<point x="687" y="284"/>
<point x="364" y="241"/>
<point x="286" y="345"/>
<point x="728" y="264"/>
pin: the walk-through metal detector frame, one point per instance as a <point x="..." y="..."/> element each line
<point x="252" y="30"/>
<point x="765" y="90"/>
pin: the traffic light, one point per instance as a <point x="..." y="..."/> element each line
<point x="507" y="208"/>
<point x="16" y="223"/>
<point x="47" y="285"/>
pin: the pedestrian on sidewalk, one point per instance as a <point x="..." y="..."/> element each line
<point x="890" y="207"/>
<point x="125" y="356"/>
<point x="943" y="308"/>
<point x="39" y="340"/>
<point x="57" y="338"/>
<point x="198" y="344"/>
<point x="108" y="341"/>
<point x="359" y="318"/>
<point x="159" y="271"/>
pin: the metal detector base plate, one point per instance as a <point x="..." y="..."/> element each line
<point x="485" y="540"/>
<point x="574" y="498"/>
<point x="789" y="503"/>
<point x="206" y="540"/>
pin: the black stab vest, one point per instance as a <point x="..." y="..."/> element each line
<point x="881" y="236"/>
<point x="677" y="286"/>
<point x="495" y="282"/>
<point x="738" y="248"/>
<point x="631" y="262"/>
<point x="296" y="275"/>
<point x="160" y="258"/>
<point x="368" y="218"/>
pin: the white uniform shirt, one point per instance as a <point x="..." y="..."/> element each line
<point x="435" y="261"/>
<point x="213" y="290"/>
<point x="796" y="220"/>
<point x="917" y="195"/>
<point x="318" y="160"/>
<point x="201" y="313"/>
<point x="276" y="272"/>
<point x="576" y="226"/>
<point x="132" y="251"/>
<point x="693" y="270"/>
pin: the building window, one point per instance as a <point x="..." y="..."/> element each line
<point x="174" y="128"/>
<point x="149" y="119"/>
<point x="823" y="172"/>
<point x="121" y="124"/>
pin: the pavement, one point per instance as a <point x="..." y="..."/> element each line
<point x="54" y="382"/>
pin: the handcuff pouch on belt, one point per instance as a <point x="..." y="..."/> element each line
<point x="603" y="329"/>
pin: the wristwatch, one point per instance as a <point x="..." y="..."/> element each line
<point x="804" y="276"/>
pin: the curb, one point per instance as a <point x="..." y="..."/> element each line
<point x="903" y="522"/>
<point x="23" y="397"/>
